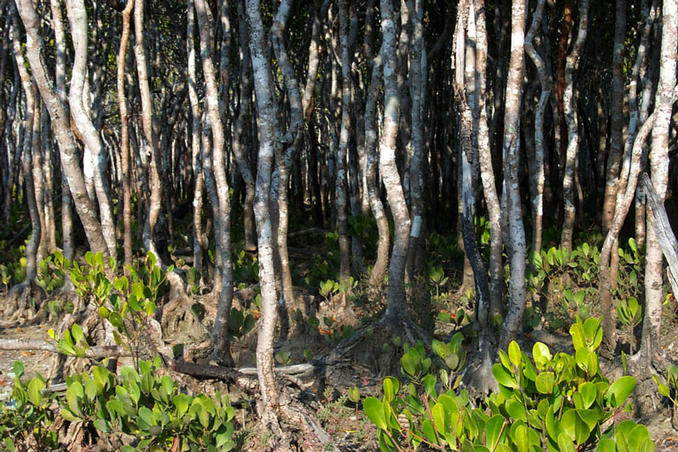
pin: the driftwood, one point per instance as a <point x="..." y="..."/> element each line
<point x="95" y="352"/>
<point x="246" y="377"/>
<point x="662" y="229"/>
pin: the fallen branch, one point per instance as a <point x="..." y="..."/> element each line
<point x="662" y="229"/>
<point x="245" y="377"/>
<point x="247" y="382"/>
<point x="95" y="352"/>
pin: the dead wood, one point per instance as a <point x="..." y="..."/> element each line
<point x="662" y="228"/>
<point x="95" y="352"/>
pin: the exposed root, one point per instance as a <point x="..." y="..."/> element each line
<point x="22" y="301"/>
<point x="374" y="348"/>
<point x="176" y="314"/>
<point x="477" y="376"/>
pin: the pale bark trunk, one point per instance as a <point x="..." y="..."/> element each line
<point x="345" y="130"/>
<point x="381" y="264"/>
<point x="487" y="178"/>
<point x="124" y="135"/>
<point x="196" y="139"/>
<point x="511" y="146"/>
<point x="266" y="113"/>
<point x="149" y="146"/>
<point x="77" y="15"/>
<point x="659" y="162"/>
<point x="607" y="276"/>
<point x="569" y="100"/>
<point x="396" y="308"/>
<point x="220" y="335"/>
<point x="38" y="182"/>
<point x="539" y="140"/>
<point x="61" y="128"/>
<point x="25" y="143"/>
<point x="616" y="117"/>
<point x="292" y="139"/>
<point x="49" y="234"/>
<point x="650" y="17"/>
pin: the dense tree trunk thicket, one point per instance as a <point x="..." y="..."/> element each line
<point x="218" y="131"/>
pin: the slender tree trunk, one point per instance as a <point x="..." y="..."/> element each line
<point x="616" y="116"/>
<point x="539" y="140"/>
<point x="417" y="81"/>
<point x="570" y="104"/>
<point x="487" y="178"/>
<point x="560" y="78"/>
<point x="371" y="162"/>
<point x="150" y="143"/>
<point x="77" y="15"/>
<point x="345" y="130"/>
<point x="239" y="138"/>
<point x="220" y="336"/>
<point x="292" y="138"/>
<point x="124" y="135"/>
<point x="659" y="162"/>
<point x="61" y="128"/>
<point x="196" y="139"/>
<point x="511" y="146"/>
<point x="27" y="149"/>
<point x="647" y="87"/>
<point x="266" y="114"/>
<point x="396" y="307"/>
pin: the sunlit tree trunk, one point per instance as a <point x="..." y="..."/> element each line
<point x="644" y="112"/>
<point x="77" y="15"/>
<point x="124" y="135"/>
<point x="511" y="146"/>
<point x="371" y="169"/>
<point x="220" y="336"/>
<point x="266" y="115"/>
<point x="487" y="178"/>
<point x="239" y="136"/>
<point x="292" y="139"/>
<point x="61" y="128"/>
<point x="659" y="164"/>
<point x="570" y="105"/>
<point x="396" y="308"/>
<point x="31" y="124"/>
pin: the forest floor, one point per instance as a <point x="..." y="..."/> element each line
<point x="347" y="425"/>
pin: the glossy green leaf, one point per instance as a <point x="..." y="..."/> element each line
<point x="374" y="410"/>
<point x="619" y="390"/>
<point x="544" y="382"/>
<point x="514" y="353"/>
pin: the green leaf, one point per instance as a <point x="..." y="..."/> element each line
<point x="619" y="390"/>
<point x="35" y="387"/>
<point x="588" y="393"/>
<point x="541" y="355"/>
<point x="503" y="377"/>
<point x="102" y="425"/>
<point x="516" y="410"/>
<point x="514" y="353"/>
<point x="520" y="439"/>
<point x="146" y="415"/>
<point x="375" y="411"/>
<point x="544" y="382"/>
<point x="565" y="444"/>
<point x="493" y="429"/>
<point x="391" y="387"/>
<point x="606" y="445"/>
